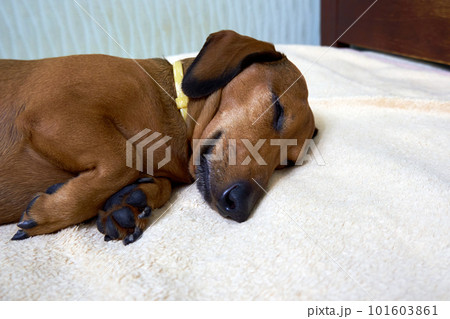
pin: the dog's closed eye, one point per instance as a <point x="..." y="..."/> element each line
<point x="278" y="115"/>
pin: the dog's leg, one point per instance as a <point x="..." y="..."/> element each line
<point x="126" y="214"/>
<point x="71" y="203"/>
<point x="97" y="153"/>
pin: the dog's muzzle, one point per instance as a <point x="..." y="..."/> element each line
<point x="237" y="201"/>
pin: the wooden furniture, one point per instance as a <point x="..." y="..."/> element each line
<point x="414" y="28"/>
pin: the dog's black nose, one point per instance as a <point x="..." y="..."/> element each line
<point x="236" y="202"/>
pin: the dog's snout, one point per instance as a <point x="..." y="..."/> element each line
<point x="236" y="202"/>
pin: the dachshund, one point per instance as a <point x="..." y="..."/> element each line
<point x="66" y="124"/>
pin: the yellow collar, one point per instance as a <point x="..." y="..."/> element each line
<point x="181" y="100"/>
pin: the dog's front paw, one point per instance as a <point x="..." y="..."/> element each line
<point x="126" y="213"/>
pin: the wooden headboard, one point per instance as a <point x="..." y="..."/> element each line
<point x="414" y="28"/>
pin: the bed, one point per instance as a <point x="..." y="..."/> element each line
<point x="370" y="222"/>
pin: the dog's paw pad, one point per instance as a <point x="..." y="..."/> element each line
<point x="125" y="223"/>
<point x="111" y="229"/>
<point x="137" y="198"/>
<point x="124" y="217"/>
<point x="125" y="214"/>
<point x="100" y="225"/>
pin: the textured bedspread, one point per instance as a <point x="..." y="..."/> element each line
<point x="372" y="223"/>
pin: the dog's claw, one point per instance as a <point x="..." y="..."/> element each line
<point x="145" y="213"/>
<point x="131" y="238"/>
<point x="107" y="238"/>
<point x="20" y="235"/>
<point x="27" y="224"/>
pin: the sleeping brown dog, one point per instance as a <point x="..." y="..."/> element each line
<point x="65" y="122"/>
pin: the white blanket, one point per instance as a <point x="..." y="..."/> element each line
<point x="372" y="223"/>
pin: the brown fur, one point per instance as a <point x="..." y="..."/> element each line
<point x="67" y="120"/>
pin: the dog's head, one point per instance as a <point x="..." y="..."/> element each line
<point x="252" y="107"/>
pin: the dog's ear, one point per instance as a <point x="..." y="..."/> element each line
<point x="223" y="56"/>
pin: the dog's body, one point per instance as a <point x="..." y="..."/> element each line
<point x="65" y="121"/>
